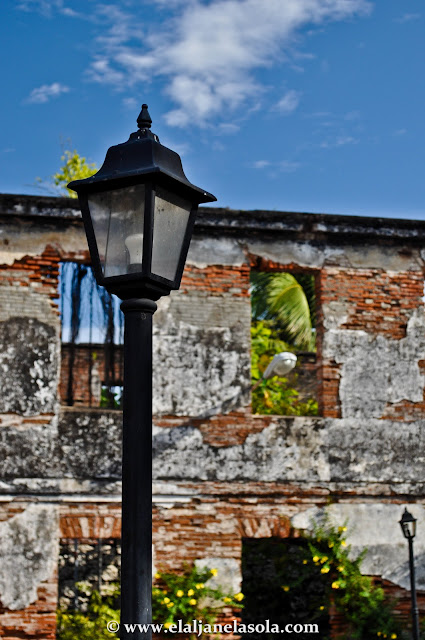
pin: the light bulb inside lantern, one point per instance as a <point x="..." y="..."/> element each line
<point x="134" y="244"/>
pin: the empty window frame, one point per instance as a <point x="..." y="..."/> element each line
<point x="283" y="307"/>
<point x="91" y="338"/>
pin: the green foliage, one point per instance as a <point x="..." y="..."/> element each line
<point x="188" y="597"/>
<point x="109" y="399"/>
<point x="366" y="609"/>
<point x="75" y="167"/>
<point x="287" y="302"/>
<point x="91" y="623"/>
<point x="273" y="396"/>
<point x="176" y="597"/>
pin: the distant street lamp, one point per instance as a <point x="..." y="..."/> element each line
<point x="408" y="526"/>
<point x="281" y="364"/>
<point x="138" y="212"/>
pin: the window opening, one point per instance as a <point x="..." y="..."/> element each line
<point x="85" y="566"/>
<point x="274" y="588"/>
<point x="92" y="337"/>
<point x="283" y="320"/>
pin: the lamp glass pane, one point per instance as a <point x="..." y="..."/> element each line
<point x="171" y="215"/>
<point x="118" y="220"/>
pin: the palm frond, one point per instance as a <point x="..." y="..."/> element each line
<point x="288" y="307"/>
<point x="259" y="284"/>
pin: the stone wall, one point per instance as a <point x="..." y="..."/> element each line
<point x="221" y="473"/>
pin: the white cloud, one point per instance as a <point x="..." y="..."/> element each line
<point x="48" y="7"/>
<point x="130" y="103"/>
<point x="42" y="94"/>
<point x="400" y="132"/>
<point x="408" y="17"/>
<point x="227" y="128"/>
<point x="284" y="166"/>
<point x="352" y="115"/>
<point x="339" y="141"/>
<point x="289" y="167"/>
<point x="260" y="164"/>
<point x="102" y="72"/>
<point x="289" y="102"/>
<point x="208" y="52"/>
<point x="42" y="6"/>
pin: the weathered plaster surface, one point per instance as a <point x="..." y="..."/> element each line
<point x="199" y="369"/>
<point x="205" y="311"/>
<point x="229" y="573"/>
<point x="29" y="366"/>
<point x="29" y="548"/>
<point x="376" y="370"/>
<point x="88" y="452"/>
<point x="205" y="251"/>
<point x="283" y="451"/>
<point x="314" y="256"/>
<point x="375" y="527"/>
<point x="376" y="451"/>
<point x="17" y="242"/>
<point x="29" y="450"/>
<point x="83" y="453"/>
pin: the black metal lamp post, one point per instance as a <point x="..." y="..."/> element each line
<point x="408" y="526"/>
<point x="138" y="213"/>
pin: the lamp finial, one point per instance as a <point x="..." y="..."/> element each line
<point x="144" y="121"/>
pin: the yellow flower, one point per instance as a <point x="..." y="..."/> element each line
<point x="324" y="559"/>
<point x="167" y="625"/>
<point x="340" y="568"/>
<point x="166" y="600"/>
<point x="393" y="636"/>
<point x="305" y="561"/>
<point x="342" y="529"/>
<point x="321" y="608"/>
<point x="335" y="585"/>
<point x="286" y="588"/>
<point x="179" y="593"/>
<point x="343" y="543"/>
<point x="170" y="604"/>
<point x="157" y="576"/>
<point x="239" y="596"/>
<point x="190" y="592"/>
<point x="379" y="633"/>
<point x="213" y="572"/>
<point x="330" y="544"/>
<point x="226" y="599"/>
<point x="199" y="585"/>
<point x="325" y="569"/>
<point x="192" y="601"/>
<point x="316" y="559"/>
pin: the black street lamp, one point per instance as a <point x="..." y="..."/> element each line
<point x="408" y="526"/>
<point x="138" y="212"/>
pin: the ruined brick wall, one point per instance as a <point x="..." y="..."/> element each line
<point x="374" y="306"/>
<point x="220" y="473"/>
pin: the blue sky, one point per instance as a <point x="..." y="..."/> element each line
<point x="291" y="105"/>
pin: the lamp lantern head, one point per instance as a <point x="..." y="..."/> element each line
<point x="138" y="211"/>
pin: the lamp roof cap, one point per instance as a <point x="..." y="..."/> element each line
<point x="139" y="159"/>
